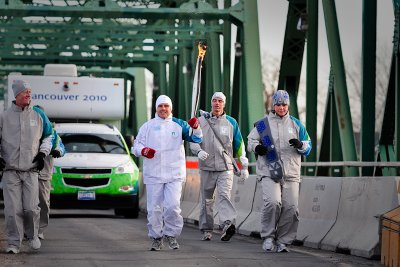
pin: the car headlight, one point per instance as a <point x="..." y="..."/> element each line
<point x="126" y="188"/>
<point x="126" y="167"/>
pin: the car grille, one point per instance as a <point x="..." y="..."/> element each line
<point x="86" y="183"/>
<point x="85" y="171"/>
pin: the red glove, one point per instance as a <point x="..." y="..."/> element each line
<point x="148" y="152"/>
<point x="194" y="123"/>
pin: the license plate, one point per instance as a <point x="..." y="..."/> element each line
<point x="86" y="195"/>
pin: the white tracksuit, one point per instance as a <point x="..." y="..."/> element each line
<point x="165" y="173"/>
<point x="279" y="219"/>
<point x="23" y="133"/>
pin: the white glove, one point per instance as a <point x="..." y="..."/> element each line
<point x="244" y="174"/>
<point x="202" y="155"/>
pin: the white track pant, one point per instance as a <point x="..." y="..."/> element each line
<point x="280" y="213"/>
<point x="163" y="209"/>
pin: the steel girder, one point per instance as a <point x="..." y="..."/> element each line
<point x="158" y="35"/>
<point x="340" y="86"/>
<point x="367" y="147"/>
<point x="110" y="31"/>
<point x="292" y="54"/>
<point x="389" y="149"/>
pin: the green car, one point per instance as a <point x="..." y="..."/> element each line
<point x="96" y="172"/>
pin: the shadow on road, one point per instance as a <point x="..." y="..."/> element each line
<point x="77" y="215"/>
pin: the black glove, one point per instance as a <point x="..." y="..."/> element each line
<point x="260" y="150"/>
<point x="296" y="143"/>
<point x="40" y="161"/>
<point x="55" y="154"/>
<point x="2" y="164"/>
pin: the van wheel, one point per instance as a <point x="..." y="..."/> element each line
<point x="127" y="213"/>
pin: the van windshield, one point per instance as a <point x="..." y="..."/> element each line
<point x="93" y="143"/>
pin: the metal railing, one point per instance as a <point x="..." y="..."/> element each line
<point x="337" y="168"/>
<point x="345" y="164"/>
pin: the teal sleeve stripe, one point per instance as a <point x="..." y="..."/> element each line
<point x="237" y="137"/>
<point x="57" y="143"/>
<point x="186" y="131"/>
<point x="47" y="128"/>
<point x="303" y="135"/>
<point x="60" y="145"/>
<point x="54" y="140"/>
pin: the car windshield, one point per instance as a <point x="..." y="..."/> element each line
<point x="93" y="143"/>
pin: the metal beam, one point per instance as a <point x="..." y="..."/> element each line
<point x="292" y="54"/>
<point x="312" y="79"/>
<point x="80" y="27"/>
<point x="367" y="152"/>
<point x="122" y="12"/>
<point x="340" y="88"/>
<point x="252" y="95"/>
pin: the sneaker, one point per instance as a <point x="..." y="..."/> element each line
<point x="35" y="243"/>
<point x="282" y="248"/>
<point x="207" y="235"/>
<point x="41" y="236"/>
<point x="156" y="244"/>
<point x="228" y="231"/>
<point x="172" y="243"/>
<point x="268" y="245"/>
<point x="11" y="249"/>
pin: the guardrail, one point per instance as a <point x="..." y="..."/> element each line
<point x="345" y="164"/>
<point x="339" y="168"/>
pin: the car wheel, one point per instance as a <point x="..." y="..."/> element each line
<point x="118" y="212"/>
<point x="131" y="213"/>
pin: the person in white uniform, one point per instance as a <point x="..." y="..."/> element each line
<point x="25" y="136"/>
<point x="160" y="141"/>
<point x="222" y="142"/>
<point x="279" y="141"/>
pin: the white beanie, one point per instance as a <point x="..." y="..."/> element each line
<point x="19" y="86"/>
<point x="219" y="95"/>
<point x="163" y="99"/>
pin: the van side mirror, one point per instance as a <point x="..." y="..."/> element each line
<point x="129" y="139"/>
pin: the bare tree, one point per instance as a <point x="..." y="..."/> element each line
<point x="353" y="76"/>
<point x="270" y="77"/>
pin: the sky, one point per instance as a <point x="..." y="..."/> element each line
<point x="272" y="23"/>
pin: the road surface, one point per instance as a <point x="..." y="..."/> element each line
<point x="98" y="238"/>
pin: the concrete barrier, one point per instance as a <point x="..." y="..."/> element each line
<point x="337" y="214"/>
<point x="243" y="197"/>
<point x="252" y="223"/>
<point x="193" y="217"/>
<point x="362" y="201"/>
<point x="318" y="208"/>
<point x="190" y="193"/>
